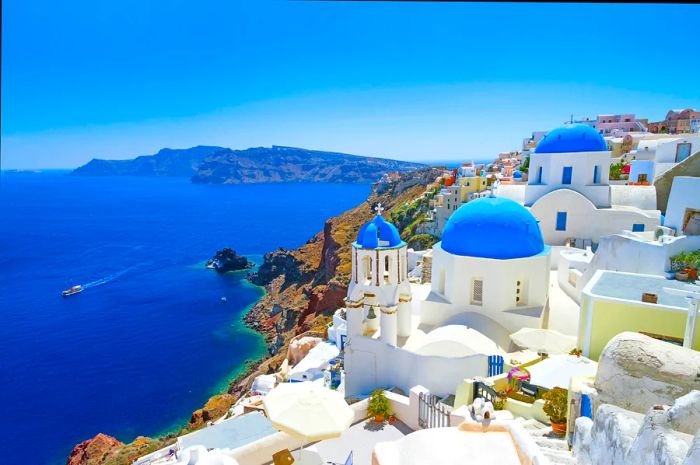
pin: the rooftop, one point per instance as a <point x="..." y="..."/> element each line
<point x="631" y="286"/>
<point x="230" y="434"/>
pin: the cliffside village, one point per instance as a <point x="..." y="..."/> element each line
<point x="553" y="321"/>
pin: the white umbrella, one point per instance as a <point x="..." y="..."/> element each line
<point x="544" y="340"/>
<point x="308" y="410"/>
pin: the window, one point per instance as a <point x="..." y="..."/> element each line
<point x="441" y="282"/>
<point x="539" y="175"/>
<point x="367" y="269"/>
<point x="561" y="221"/>
<point x="682" y="151"/>
<point x="566" y="175"/>
<point x="520" y="297"/>
<point x="638" y="227"/>
<point x="477" y="291"/>
<point x="387" y="269"/>
<point x="596" y="175"/>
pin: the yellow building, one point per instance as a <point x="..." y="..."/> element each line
<point x="612" y="303"/>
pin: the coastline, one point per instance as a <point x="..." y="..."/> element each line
<point x="308" y="283"/>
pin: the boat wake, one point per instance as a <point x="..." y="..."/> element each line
<point x="111" y="277"/>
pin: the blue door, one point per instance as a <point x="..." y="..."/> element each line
<point x="561" y="221"/>
<point x="566" y="175"/>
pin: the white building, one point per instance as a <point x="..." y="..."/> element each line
<point x="569" y="189"/>
<point x="647" y="252"/>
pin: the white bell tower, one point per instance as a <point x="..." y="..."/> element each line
<point x="379" y="295"/>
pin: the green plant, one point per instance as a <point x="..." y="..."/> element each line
<point x="555" y="403"/>
<point x="522" y="397"/>
<point x="378" y="404"/>
<point x="575" y="351"/>
<point x="616" y="171"/>
<point x="526" y="164"/>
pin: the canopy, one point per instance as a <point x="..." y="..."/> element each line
<point x="544" y="340"/>
<point x="308" y="410"/>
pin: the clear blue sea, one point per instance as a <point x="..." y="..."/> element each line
<point x="149" y="340"/>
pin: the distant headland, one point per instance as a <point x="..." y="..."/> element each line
<point x="220" y="165"/>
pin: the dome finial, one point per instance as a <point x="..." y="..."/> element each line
<point x="379" y="209"/>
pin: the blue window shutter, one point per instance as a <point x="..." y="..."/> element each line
<point x="638" y="227"/>
<point x="566" y="175"/>
<point x="596" y="175"/>
<point x="561" y="221"/>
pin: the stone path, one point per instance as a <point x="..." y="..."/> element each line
<point x="553" y="447"/>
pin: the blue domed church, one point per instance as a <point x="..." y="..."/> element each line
<point x="570" y="193"/>
<point x="492" y="262"/>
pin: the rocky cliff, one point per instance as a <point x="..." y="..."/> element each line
<point x="167" y="162"/>
<point x="221" y="165"/>
<point x="291" y="164"/>
<point x="311" y="281"/>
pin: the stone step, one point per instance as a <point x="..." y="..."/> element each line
<point x="559" y="457"/>
<point x="552" y="444"/>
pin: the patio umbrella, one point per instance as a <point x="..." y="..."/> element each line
<point x="543" y="340"/>
<point x="308" y="410"/>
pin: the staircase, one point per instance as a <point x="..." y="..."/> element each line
<point x="553" y="447"/>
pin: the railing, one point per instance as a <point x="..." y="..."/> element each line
<point x="432" y="413"/>
<point x="485" y="392"/>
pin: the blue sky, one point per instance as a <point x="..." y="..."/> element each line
<point x="416" y="81"/>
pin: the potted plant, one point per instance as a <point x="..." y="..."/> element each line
<point x="392" y="419"/>
<point x="378" y="406"/>
<point x="576" y="351"/>
<point x="555" y="403"/>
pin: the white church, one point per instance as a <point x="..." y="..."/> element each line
<point x="570" y="192"/>
<point x="490" y="278"/>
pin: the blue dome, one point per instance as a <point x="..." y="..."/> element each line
<point x="378" y="233"/>
<point x="492" y="227"/>
<point x="517" y="175"/>
<point x="579" y="138"/>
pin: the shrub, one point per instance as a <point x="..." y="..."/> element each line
<point x="522" y="397"/>
<point x="379" y="404"/>
<point x="555" y="403"/>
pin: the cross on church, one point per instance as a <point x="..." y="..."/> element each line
<point x="379" y="209"/>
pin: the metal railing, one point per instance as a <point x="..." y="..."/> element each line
<point x="431" y="412"/>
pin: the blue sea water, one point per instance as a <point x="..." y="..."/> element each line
<point x="149" y="340"/>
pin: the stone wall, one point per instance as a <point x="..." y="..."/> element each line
<point x="621" y="437"/>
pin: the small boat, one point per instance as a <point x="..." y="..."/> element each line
<point x="224" y="300"/>
<point x="72" y="290"/>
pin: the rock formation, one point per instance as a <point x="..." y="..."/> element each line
<point x="228" y="260"/>
<point x="636" y="372"/>
<point x="291" y="164"/>
<point x="621" y="437"/>
<point x="299" y="348"/>
<point x="93" y="451"/>
<point x="167" y="162"/>
<point x="215" y="408"/>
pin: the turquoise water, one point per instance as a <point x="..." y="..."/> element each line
<point x="149" y="340"/>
